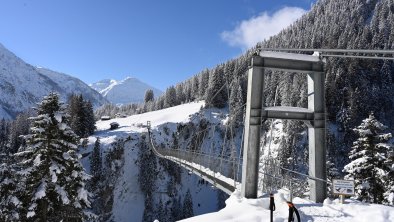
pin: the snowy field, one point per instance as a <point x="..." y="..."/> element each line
<point x="134" y="123"/>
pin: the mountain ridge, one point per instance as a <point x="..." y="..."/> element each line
<point x="23" y="85"/>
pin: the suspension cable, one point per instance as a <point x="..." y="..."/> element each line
<point x="364" y="51"/>
<point x="345" y="52"/>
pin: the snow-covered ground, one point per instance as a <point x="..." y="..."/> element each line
<point x="135" y="123"/>
<point x="257" y="210"/>
<point x="128" y="202"/>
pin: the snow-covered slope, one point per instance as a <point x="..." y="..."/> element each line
<point x="128" y="203"/>
<point x="129" y="90"/>
<point x="22" y="85"/>
<point x="71" y="84"/>
<point x="241" y="209"/>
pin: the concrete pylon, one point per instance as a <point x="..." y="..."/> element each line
<point x="317" y="137"/>
<point x="314" y="116"/>
<point x="251" y="154"/>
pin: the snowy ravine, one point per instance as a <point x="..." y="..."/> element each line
<point x="128" y="202"/>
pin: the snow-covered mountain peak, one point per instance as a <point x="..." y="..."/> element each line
<point x="128" y="90"/>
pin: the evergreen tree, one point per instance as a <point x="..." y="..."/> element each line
<point x="19" y="127"/>
<point x="216" y="95"/>
<point x="204" y="81"/>
<point x="96" y="162"/>
<point x="188" y="205"/>
<point x="4" y="133"/>
<point x="170" y="97"/>
<point x="10" y="191"/>
<point x="81" y="116"/>
<point x="368" y="166"/>
<point x="161" y="213"/>
<point x="149" y="96"/>
<point x="176" y="209"/>
<point x="148" y="214"/>
<point x="55" y="180"/>
<point x="236" y="104"/>
<point x="89" y="121"/>
<point x="195" y="87"/>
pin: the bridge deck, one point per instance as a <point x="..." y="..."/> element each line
<point x="191" y="161"/>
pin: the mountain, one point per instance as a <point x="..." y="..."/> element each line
<point x="129" y="90"/>
<point x="23" y="85"/>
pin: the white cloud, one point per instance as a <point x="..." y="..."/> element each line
<point x="249" y="32"/>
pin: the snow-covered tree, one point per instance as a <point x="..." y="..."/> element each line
<point x="55" y="179"/>
<point x="96" y="162"/>
<point x="81" y="116"/>
<point x="369" y="160"/>
<point x="188" y="205"/>
<point x="236" y="104"/>
<point x="216" y="95"/>
<point x="19" y="127"/>
<point x="170" y="97"/>
<point x="149" y="96"/>
<point x="10" y="190"/>
<point x="161" y="212"/>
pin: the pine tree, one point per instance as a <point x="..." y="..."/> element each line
<point x="161" y="214"/>
<point x="204" y="81"/>
<point x="19" y="127"/>
<point x="55" y="180"/>
<point x="368" y="166"/>
<point x="236" y="104"/>
<point x="216" y="95"/>
<point x="89" y="121"/>
<point x="81" y="116"/>
<point x="188" y="205"/>
<point x="176" y="210"/>
<point x="10" y="190"/>
<point x="149" y="96"/>
<point x="148" y="214"/>
<point x="170" y="97"/>
<point x="96" y="163"/>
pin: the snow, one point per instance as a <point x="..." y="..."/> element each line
<point x="135" y="123"/>
<point x="15" y="201"/>
<point x="129" y="90"/>
<point x="30" y="214"/>
<point x="41" y="191"/>
<point x="128" y="202"/>
<point x="22" y="85"/>
<point x="66" y="156"/>
<point x="62" y="193"/>
<point x="288" y="109"/>
<point x="128" y="199"/>
<point x="54" y="170"/>
<point x="37" y="160"/>
<point x="83" y="195"/>
<point x="289" y="56"/>
<point x="257" y="210"/>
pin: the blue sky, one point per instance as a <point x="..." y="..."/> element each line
<point x="160" y="42"/>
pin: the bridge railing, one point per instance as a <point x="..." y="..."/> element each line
<point x="217" y="164"/>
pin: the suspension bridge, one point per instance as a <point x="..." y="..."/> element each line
<point x="242" y="168"/>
